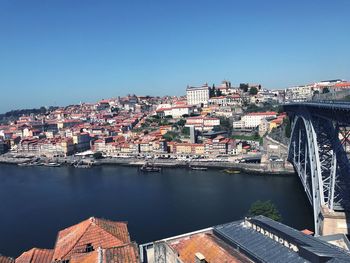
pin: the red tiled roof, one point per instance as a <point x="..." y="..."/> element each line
<point x="342" y="84"/>
<point x="98" y="232"/>
<point x="36" y="255"/>
<point x="209" y="246"/>
<point x="123" y="254"/>
<point x="4" y="259"/>
<point x="262" y="113"/>
<point x="307" y="232"/>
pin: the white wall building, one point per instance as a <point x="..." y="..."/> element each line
<point x="197" y="95"/>
<point x="253" y="120"/>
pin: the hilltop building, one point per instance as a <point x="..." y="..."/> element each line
<point x="198" y="95"/>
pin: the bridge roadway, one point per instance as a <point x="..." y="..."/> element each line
<point x="318" y="149"/>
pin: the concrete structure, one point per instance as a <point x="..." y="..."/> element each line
<point x="318" y="151"/>
<point x="197" y="95"/>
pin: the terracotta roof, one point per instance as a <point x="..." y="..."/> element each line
<point x="262" y="113"/>
<point x="342" y="84"/>
<point x="307" y="232"/>
<point x="123" y="254"/>
<point x="4" y="259"/>
<point x="213" y="249"/>
<point x="85" y="257"/>
<point x="36" y="255"/>
<point x="97" y="232"/>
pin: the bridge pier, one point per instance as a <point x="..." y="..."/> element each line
<point x="332" y="222"/>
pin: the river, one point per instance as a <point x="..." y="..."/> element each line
<point x="37" y="202"/>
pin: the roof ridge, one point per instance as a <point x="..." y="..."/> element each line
<point x="89" y="219"/>
<point x="110" y="222"/>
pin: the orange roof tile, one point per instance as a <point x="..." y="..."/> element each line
<point x="307" y="232"/>
<point x="97" y="232"/>
<point x="4" y="259"/>
<point x="213" y="249"/>
<point x="36" y="255"/>
<point x="123" y="254"/>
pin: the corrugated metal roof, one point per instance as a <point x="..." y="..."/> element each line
<point x="262" y="248"/>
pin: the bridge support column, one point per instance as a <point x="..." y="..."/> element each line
<point x="333" y="222"/>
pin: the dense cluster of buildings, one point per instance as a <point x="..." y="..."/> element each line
<point x="143" y="125"/>
<point x="256" y="239"/>
<point x="308" y="91"/>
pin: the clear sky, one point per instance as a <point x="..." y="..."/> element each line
<point x="59" y="52"/>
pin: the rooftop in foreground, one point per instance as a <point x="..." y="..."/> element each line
<point x="257" y="239"/>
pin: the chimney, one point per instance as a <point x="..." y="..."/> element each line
<point x="199" y="258"/>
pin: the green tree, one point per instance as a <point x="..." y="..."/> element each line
<point x="244" y="87"/>
<point x="181" y="122"/>
<point x="253" y="91"/>
<point x="212" y="91"/>
<point x="288" y="129"/>
<point x="266" y="208"/>
<point x="186" y="131"/>
<point x="218" y="93"/>
<point x="325" y="90"/>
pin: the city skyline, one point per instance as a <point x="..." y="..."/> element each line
<point x="62" y="53"/>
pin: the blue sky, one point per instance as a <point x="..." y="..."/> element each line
<point x="62" y="51"/>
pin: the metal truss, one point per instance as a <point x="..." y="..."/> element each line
<point x="318" y="150"/>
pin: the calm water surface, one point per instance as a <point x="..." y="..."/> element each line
<point x="36" y="202"/>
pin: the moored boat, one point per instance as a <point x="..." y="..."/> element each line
<point x="150" y="168"/>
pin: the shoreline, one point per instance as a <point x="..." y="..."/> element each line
<point x="258" y="169"/>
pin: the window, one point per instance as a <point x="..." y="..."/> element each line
<point x="89" y="248"/>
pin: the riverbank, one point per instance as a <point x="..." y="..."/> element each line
<point x="261" y="169"/>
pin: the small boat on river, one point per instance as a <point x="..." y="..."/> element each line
<point x="150" y="168"/>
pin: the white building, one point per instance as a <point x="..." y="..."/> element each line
<point x="203" y="123"/>
<point x="176" y="111"/>
<point x="253" y="120"/>
<point x="197" y="95"/>
<point x="299" y="93"/>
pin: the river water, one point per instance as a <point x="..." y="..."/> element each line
<point x="36" y="202"/>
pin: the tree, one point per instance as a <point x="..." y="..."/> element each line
<point x="266" y="208"/>
<point x="325" y="90"/>
<point x="97" y="155"/>
<point x="288" y="129"/>
<point x="186" y="131"/>
<point x="244" y="87"/>
<point x="181" y="122"/>
<point x="253" y="91"/>
<point x="212" y="91"/>
<point x="225" y="123"/>
<point x="218" y="93"/>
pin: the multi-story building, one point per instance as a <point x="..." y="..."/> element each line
<point x="198" y="95"/>
<point x="220" y="145"/>
<point x="189" y="149"/>
<point x="253" y="119"/>
<point x="203" y="123"/>
<point x="175" y="112"/>
<point x="81" y="141"/>
<point x="299" y="93"/>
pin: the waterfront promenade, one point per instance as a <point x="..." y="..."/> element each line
<point x="169" y="163"/>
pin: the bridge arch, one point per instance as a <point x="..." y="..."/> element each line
<point x="304" y="155"/>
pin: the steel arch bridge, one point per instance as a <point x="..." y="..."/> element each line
<point x="318" y="150"/>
